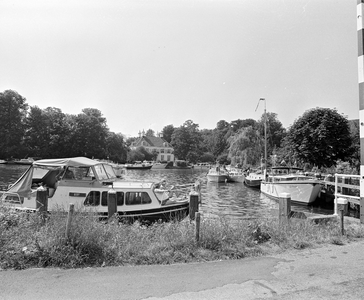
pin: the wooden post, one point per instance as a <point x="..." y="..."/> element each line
<point x="69" y="220"/>
<point x="112" y="207"/>
<point x="193" y="207"/>
<point x="198" y="190"/>
<point x="284" y="208"/>
<point x="197" y="226"/>
<point x="342" y="205"/>
<point x="42" y="202"/>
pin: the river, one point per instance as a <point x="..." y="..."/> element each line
<point x="230" y="200"/>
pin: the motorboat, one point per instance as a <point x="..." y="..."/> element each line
<point x="3" y="162"/>
<point x="139" y="166"/>
<point x="236" y="175"/>
<point x="253" y="179"/>
<point x="217" y="174"/>
<point x="87" y="183"/>
<point x="302" y="188"/>
<point x="24" y="161"/>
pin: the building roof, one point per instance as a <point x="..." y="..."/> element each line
<point x="152" y="141"/>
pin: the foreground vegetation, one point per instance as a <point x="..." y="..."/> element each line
<point x="27" y="241"/>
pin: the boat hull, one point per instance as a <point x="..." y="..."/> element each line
<point x="301" y="192"/>
<point x="217" y="178"/>
<point x="237" y="178"/>
<point x="138" y="167"/>
<point x="254" y="180"/>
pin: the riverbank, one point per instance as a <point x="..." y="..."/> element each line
<point x="326" y="272"/>
<point x="28" y="241"/>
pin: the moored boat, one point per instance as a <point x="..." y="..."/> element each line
<point x="216" y="174"/>
<point x="24" y="161"/>
<point x="88" y="183"/>
<point x="253" y="179"/>
<point x="236" y="175"/>
<point x="139" y="166"/>
<point x="303" y="189"/>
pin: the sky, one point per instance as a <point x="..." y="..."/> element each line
<point x="146" y="64"/>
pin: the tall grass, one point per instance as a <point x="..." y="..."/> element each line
<point x="27" y="241"/>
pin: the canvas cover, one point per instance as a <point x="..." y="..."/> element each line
<point x="63" y="162"/>
<point x="22" y="186"/>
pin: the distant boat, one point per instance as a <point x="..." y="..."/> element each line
<point x="139" y="166"/>
<point x="24" y="161"/>
<point x="158" y="166"/>
<point x="3" y="162"/>
<point x="253" y="179"/>
<point x="236" y="175"/>
<point x="178" y="164"/>
<point x="216" y="174"/>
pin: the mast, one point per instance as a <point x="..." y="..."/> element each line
<point x="265" y="131"/>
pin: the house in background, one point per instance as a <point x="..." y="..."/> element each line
<point x="155" y="144"/>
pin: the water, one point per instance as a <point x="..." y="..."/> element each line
<point x="230" y="200"/>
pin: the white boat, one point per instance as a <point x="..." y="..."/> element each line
<point x="216" y="174"/>
<point x="303" y="189"/>
<point x="24" y="161"/>
<point x="236" y="175"/>
<point x="253" y="179"/>
<point x="87" y="183"/>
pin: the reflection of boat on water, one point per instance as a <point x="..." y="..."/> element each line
<point x="216" y="174"/>
<point x="89" y="184"/>
<point x="303" y="189"/>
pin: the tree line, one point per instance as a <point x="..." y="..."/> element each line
<point x="320" y="138"/>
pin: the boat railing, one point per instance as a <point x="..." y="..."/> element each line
<point x="339" y="179"/>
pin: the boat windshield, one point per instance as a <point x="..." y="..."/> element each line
<point x="104" y="171"/>
<point x="109" y="171"/>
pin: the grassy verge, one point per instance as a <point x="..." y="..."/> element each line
<point x="26" y="241"/>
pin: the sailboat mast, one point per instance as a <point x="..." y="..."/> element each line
<point x="265" y="131"/>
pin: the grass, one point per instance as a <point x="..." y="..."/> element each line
<point x="26" y="240"/>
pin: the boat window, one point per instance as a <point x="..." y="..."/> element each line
<point x="119" y="198"/>
<point x="92" y="199"/>
<point x="136" y="198"/>
<point x="14" y="198"/>
<point x="110" y="171"/>
<point x="101" y="173"/>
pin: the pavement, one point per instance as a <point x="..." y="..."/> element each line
<point x="328" y="272"/>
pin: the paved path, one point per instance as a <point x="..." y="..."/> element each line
<point x="330" y="272"/>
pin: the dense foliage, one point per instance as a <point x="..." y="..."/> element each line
<point x="320" y="138"/>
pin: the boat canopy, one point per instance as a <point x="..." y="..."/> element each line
<point x="22" y="186"/>
<point x="67" y="162"/>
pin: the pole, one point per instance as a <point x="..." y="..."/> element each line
<point x="360" y="27"/>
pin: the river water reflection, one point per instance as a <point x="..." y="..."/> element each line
<point x="230" y="200"/>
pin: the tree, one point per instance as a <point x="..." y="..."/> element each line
<point x="13" y="111"/>
<point x="321" y="137"/>
<point x="167" y="132"/>
<point x="150" y="132"/>
<point x="185" y="139"/>
<point x="116" y="149"/>
<point x="90" y="133"/>
<point x="275" y="131"/>
<point x="246" y="147"/>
